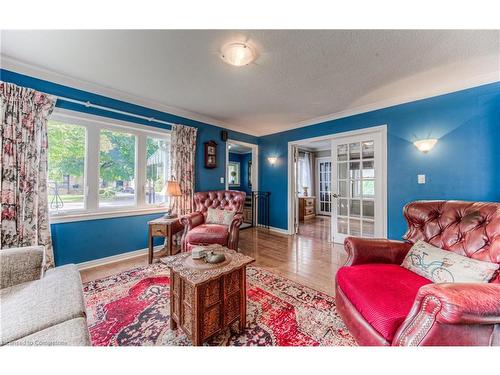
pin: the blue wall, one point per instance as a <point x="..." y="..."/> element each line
<point x="243" y="159"/>
<point x="463" y="165"/>
<point x="87" y="240"/>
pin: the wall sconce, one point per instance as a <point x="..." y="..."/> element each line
<point x="425" y="145"/>
<point x="272" y="160"/>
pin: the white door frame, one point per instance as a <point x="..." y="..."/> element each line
<point x="291" y="175"/>
<point x="255" y="162"/>
<point x="316" y="188"/>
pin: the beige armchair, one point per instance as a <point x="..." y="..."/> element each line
<point x="37" y="307"/>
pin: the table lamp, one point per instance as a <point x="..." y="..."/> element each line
<point x="171" y="189"/>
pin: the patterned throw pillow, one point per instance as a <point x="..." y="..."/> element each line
<point x="441" y="266"/>
<point x="217" y="216"/>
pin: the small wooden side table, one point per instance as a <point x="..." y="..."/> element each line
<point x="162" y="228"/>
<point x="207" y="298"/>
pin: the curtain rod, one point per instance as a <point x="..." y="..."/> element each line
<point x="109" y="109"/>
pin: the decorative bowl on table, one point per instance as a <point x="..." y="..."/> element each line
<point x="212" y="254"/>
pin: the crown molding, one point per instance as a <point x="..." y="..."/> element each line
<point x="35" y="71"/>
<point x="463" y="85"/>
<point x="17" y="66"/>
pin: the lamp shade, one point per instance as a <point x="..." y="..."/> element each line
<point x="171" y="189"/>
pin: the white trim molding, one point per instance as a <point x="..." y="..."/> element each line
<point x="32" y="70"/>
<point x="21" y="67"/>
<point x="290" y="189"/>
<point x="459" y="86"/>
<point x="104" y="214"/>
<point x="255" y="162"/>
<point x="87" y="119"/>
<point x="93" y="125"/>
<point x="114" y="258"/>
<point x="278" y="230"/>
<point x="317" y="184"/>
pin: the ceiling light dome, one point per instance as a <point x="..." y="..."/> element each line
<point x="237" y="53"/>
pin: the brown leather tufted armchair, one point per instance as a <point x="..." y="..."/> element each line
<point x="196" y="232"/>
<point x="385" y="304"/>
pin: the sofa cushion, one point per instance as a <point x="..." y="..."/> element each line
<point x="219" y="216"/>
<point x="207" y="234"/>
<point x="37" y="305"/>
<point x="443" y="266"/>
<point x="72" y="332"/>
<point x="382" y="293"/>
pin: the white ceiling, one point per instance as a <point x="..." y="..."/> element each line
<point x="300" y="77"/>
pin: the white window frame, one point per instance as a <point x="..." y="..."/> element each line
<point x="94" y="125"/>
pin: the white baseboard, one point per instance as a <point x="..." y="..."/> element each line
<point x="114" y="258"/>
<point x="279" y="230"/>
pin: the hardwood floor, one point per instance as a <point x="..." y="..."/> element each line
<point x="307" y="258"/>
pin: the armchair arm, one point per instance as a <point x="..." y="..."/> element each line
<point x="189" y="222"/>
<point x="237" y="221"/>
<point x="192" y="220"/>
<point x="234" y="231"/>
<point x="363" y="250"/>
<point x="21" y="264"/>
<point x="453" y="304"/>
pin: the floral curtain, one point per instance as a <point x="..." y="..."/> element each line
<point x="23" y="168"/>
<point x="304" y="178"/>
<point x="182" y="156"/>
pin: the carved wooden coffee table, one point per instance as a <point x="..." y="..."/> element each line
<point x="207" y="298"/>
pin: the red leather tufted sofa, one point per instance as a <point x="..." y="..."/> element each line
<point x="383" y="303"/>
<point x="196" y="232"/>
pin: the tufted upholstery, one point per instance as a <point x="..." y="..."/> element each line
<point x="440" y="314"/>
<point x="226" y="199"/>
<point x="470" y="229"/>
<point x="196" y="232"/>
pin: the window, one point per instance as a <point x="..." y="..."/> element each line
<point x="304" y="175"/>
<point x="98" y="166"/>
<point x="116" y="169"/>
<point x="233" y="173"/>
<point x="66" y="180"/>
<point x="157" y="167"/>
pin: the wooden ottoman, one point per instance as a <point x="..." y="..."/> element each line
<point x="207" y="298"/>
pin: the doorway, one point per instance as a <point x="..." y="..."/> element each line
<point x="312" y="188"/>
<point x="242" y="174"/>
<point x="349" y="183"/>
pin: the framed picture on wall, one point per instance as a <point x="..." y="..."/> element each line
<point x="210" y="154"/>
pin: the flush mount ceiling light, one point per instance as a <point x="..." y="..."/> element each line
<point x="238" y="53"/>
<point x="425" y="145"/>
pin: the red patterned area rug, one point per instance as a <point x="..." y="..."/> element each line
<point x="132" y="308"/>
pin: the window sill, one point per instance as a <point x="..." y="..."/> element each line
<point x="98" y="215"/>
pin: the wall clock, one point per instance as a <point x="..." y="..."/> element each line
<point x="210" y="154"/>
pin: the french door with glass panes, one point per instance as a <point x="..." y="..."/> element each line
<point x="358" y="186"/>
<point x="324" y="183"/>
